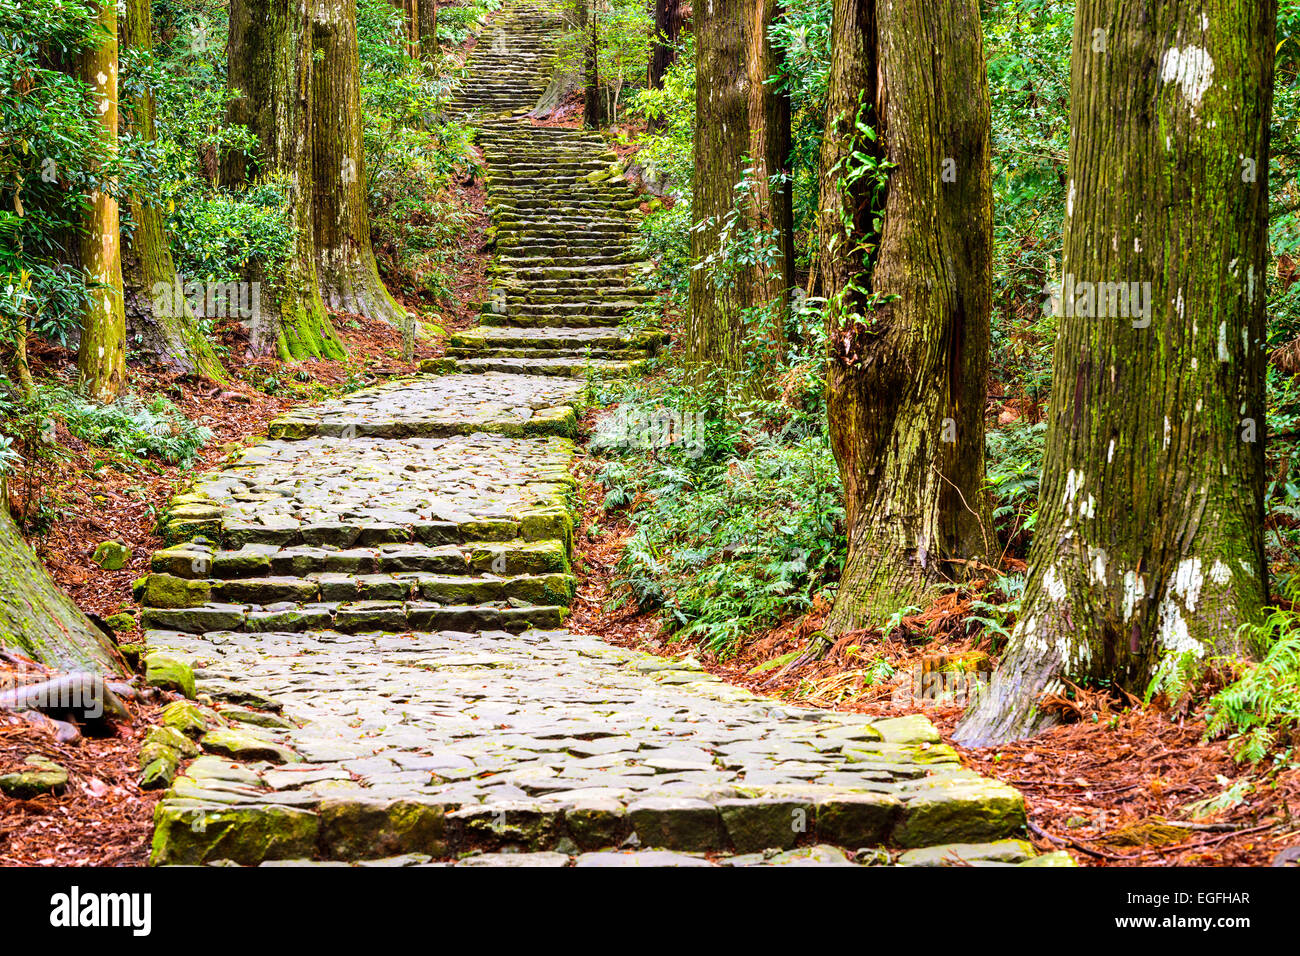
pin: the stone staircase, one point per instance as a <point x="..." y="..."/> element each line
<point x="365" y="611"/>
<point x="510" y="64"/>
<point x="567" y="281"/>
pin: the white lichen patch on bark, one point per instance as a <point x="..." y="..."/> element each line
<point x="1220" y="573"/>
<point x="1134" y="591"/>
<point x="1097" y="566"/>
<point x="1192" y="69"/>
<point x="1073" y="485"/>
<point x="1054" y="584"/>
<point x="1186" y="582"/>
<point x="1173" y="634"/>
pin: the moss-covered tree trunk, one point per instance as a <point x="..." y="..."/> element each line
<point x="101" y="357"/>
<point x="162" y="320"/>
<point x="429" y="49"/>
<point x="668" y="27"/>
<point x="346" y="272"/>
<point x="1149" y="542"/>
<point x="269" y="59"/>
<point x="715" y="328"/>
<point x="908" y="308"/>
<point x="37" y="619"/>
<point x="771" y="209"/>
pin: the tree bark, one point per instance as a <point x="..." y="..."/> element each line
<point x="771" y="208"/>
<point x="37" y="618"/>
<point x="101" y="357"/>
<point x="164" y="321"/>
<point x="410" y="10"/>
<point x="429" y="49"/>
<point x="908" y="308"/>
<point x="715" y="328"/>
<point x="593" y="108"/>
<point x="269" y="60"/>
<point x="668" y="27"/>
<point x="346" y="272"/>
<point x="1149" y="543"/>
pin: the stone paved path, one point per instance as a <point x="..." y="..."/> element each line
<point x="367" y="609"/>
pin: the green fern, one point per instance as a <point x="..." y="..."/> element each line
<point x="1264" y="704"/>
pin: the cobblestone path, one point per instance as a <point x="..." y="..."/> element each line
<point x="366" y="611"/>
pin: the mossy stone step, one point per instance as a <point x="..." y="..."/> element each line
<point x="569" y="367"/>
<point x="352" y="617"/>
<point x="350" y="827"/>
<point x="177" y="570"/>
<point x="460" y="586"/>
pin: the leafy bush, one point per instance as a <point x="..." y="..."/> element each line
<point x="216" y="234"/>
<point x="457" y="24"/>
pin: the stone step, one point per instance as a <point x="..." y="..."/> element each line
<point x="1000" y="853"/>
<point x="575" y="355"/>
<point x="542" y="269"/>
<point x="354" y="617"/>
<point x="443" y="744"/>
<point x="185" y="571"/>
<point x="361" y="491"/>
<point x="560" y="296"/>
<point x="543" y="319"/>
<point x="176" y="566"/>
<point x="449" y="405"/>
<point x="575" y="367"/>
<point x="558" y="338"/>
<point x="458" y="586"/>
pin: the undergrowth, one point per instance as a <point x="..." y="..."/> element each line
<point x="735" y="528"/>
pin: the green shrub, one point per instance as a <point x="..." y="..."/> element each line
<point x="216" y="235"/>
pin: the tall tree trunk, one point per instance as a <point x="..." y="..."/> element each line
<point x="1149" y="542"/>
<point x="908" y="309"/>
<point x="346" y="271"/>
<point x="101" y="358"/>
<point x="668" y="27"/>
<point x="270" y="60"/>
<point x="593" y="108"/>
<point x="410" y="10"/>
<point x="36" y="618"/>
<point x="429" y="50"/>
<point x="164" y="320"/>
<point x="771" y="209"/>
<point x="715" y="329"/>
